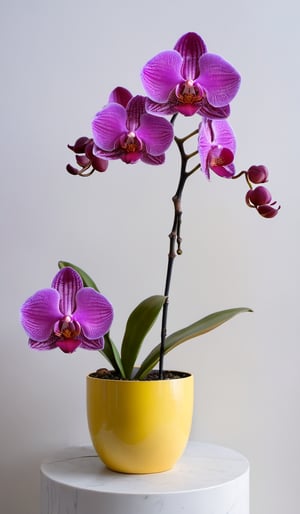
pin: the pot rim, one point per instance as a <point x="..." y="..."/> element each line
<point x="183" y="375"/>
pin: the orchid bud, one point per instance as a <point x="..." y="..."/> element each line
<point x="80" y="144"/>
<point x="85" y="158"/>
<point x="268" y="211"/>
<point x="72" y="170"/>
<point x="82" y="160"/>
<point x="99" y="164"/>
<point x="258" y="196"/>
<point x="258" y="174"/>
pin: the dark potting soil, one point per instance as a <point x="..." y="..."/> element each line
<point x="152" y="375"/>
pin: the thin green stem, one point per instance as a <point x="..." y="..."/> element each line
<point x="246" y="177"/>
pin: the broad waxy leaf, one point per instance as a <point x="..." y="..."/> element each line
<point x="138" y="325"/>
<point x="198" y="328"/>
<point x="111" y="353"/>
<point x="86" y="279"/>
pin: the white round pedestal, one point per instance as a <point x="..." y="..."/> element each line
<point x="208" y="479"/>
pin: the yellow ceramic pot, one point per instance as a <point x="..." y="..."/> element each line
<point x="140" y="426"/>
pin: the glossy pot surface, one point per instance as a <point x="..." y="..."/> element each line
<point x="140" y="426"/>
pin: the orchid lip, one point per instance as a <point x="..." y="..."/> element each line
<point x="67" y="328"/>
<point x="131" y="143"/>
<point x="189" y="92"/>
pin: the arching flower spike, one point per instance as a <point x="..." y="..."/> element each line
<point x="67" y="315"/>
<point x="188" y="79"/>
<point x="216" y="146"/>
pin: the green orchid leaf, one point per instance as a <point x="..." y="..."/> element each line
<point x="111" y="353"/>
<point x="198" y="328"/>
<point x="138" y="325"/>
<point x="86" y="279"/>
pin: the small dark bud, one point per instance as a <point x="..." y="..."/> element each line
<point x="99" y="164"/>
<point x="258" y="174"/>
<point x="82" y="160"/>
<point x="80" y="144"/>
<point x="258" y="196"/>
<point x="268" y="211"/>
<point x="89" y="149"/>
<point x="72" y="170"/>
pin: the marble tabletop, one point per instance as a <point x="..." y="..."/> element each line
<point x="206" y="477"/>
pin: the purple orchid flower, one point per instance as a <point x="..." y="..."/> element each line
<point x="124" y="130"/>
<point x="216" y="146"/>
<point x="189" y="80"/>
<point x="67" y="315"/>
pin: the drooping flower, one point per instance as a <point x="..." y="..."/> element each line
<point x="67" y="315"/>
<point x="188" y="79"/>
<point x="216" y="146"/>
<point x="124" y="130"/>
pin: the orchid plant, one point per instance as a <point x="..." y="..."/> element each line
<point x="185" y="81"/>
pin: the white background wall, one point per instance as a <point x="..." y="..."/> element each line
<point x="59" y="61"/>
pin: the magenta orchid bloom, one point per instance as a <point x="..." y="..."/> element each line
<point x="189" y="80"/>
<point x="124" y="130"/>
<point x="216" y="146"/>
<point x="67" y="315"/>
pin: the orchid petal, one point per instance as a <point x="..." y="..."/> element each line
<point x="131" y="157"/>
<point x="156" y="133"/>
<point x="67" y="282"/>
<point x="120" y="95"/>
<point x="108" y="125"/>
<point x="161" y="74"/>
<point x="39" y="313"/>
<point x="224" y="171"/>
<point x="219" y="79"/>
<point x="105" y="154"/>
<point x="204" y="146"/>
<point x="223" y="135"/>
<point x="135" y="109"/>
<point x="187" y="109"/>
<point x="161" y="109"/>
<point x="94" y="344"/>
<point x="94" y="313"/>
<point x="213" y="113"/>
<point x="68" y="345"/>
<point x="154" y="160"/>
<point x="50" y="344"/>
<point x="190" y="46"/>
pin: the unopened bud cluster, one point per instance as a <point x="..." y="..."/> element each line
<point x="88" y="162"/>
<point x="260" y="197"/>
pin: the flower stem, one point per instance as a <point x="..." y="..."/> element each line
<point x="175" y="238"/>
